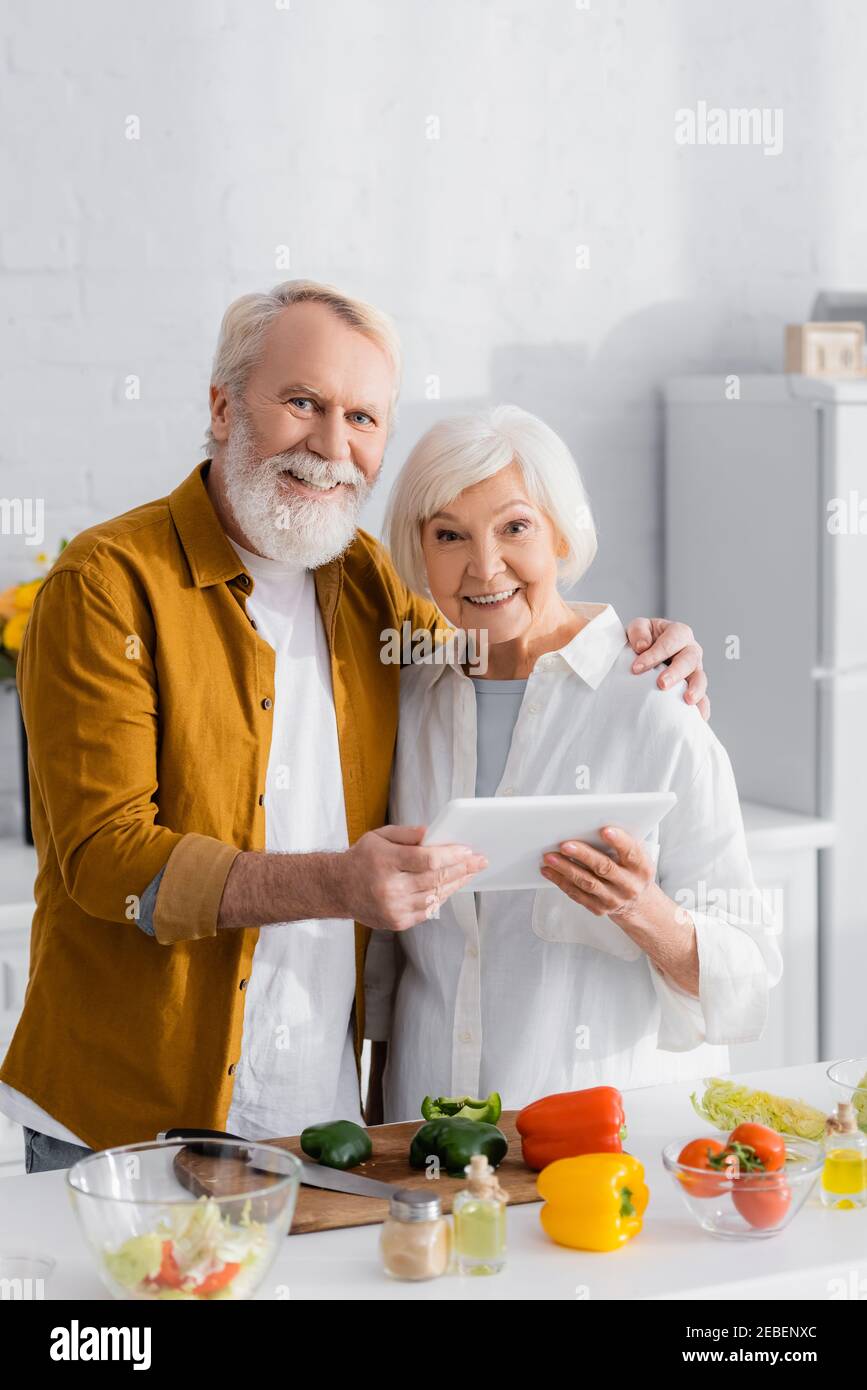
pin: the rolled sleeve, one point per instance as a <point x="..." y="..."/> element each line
<point x="148" y="903"/>
<point x="732" y="1003"/>
<point x="705" y="868"/>
<point x="188" y="901"/>
<point x="735" y="979"/>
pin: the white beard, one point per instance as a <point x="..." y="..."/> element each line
<point x="277" y="524"/>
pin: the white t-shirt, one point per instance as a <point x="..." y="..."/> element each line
<point x="297" y="1064"/>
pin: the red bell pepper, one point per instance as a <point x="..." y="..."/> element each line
<point x="571" y="1123"/>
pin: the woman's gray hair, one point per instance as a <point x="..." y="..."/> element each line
<point x="247" y="320"/>
<point x="456" y="453"/>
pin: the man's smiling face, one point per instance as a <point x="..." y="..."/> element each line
<point x="302" y="446"/>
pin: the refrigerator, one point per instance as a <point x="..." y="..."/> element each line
<point x="766" y="556"/>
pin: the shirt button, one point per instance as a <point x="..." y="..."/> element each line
<point x="243" y="984"/>
<point x="508" y="791"/>
<point x="472" y="951"/>
<point x="233" y="1068"/>
<point x="243" y="581"/>
<point x="532" y="709"/>
<point x="267" y="702"/>
<point x="466" y="1037"/>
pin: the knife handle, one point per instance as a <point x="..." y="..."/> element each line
<point x="210" y="1150"/>
<point x="190" y="1132"/>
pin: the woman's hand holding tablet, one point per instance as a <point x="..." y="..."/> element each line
<point x="515" y="832"/>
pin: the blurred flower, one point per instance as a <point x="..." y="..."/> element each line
<point x="26" y="593"/>
<point x="13" y="632"/>
<point x="15" y="606"/>
<point x="8" y="604"/>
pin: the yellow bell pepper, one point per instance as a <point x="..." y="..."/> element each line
<point x="594" y="1201"/>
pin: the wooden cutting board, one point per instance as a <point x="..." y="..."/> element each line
<point x="321" y="1210"/>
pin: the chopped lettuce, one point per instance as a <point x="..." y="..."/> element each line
<point x="728" y="1103"/>
<point x="200" y="1243"/>
<point x="138" y="1258"/>
<point x="859" y="1100"/>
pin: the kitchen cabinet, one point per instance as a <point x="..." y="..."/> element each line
<point x="766" y="514"/>
<point x="784" y="852"/>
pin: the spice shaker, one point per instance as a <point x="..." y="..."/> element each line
<point x="415" y="1241"/>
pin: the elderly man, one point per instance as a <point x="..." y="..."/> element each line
<point x="211" y="729"/>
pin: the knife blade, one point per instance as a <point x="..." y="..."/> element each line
<point x="312" y="1174"/>
<point x="338" y="1180"/>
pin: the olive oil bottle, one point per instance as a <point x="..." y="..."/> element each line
<point x="479" y="1212"/>
<point x="844" y="1175"/>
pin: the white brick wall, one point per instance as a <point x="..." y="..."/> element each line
<point x="306" y="125"/>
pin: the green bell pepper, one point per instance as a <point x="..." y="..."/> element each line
<point x="338" y="1144"/>
<point x="454" y="1140"/>
<point x="463" y="1108"/>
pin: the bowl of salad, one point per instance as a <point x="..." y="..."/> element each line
<point x="747" y="1186"/>
<point x="185" y="1220"/>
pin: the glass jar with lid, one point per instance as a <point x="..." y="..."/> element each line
<point x="415" y="1241"/>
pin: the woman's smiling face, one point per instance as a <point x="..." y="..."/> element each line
<point x="491" y="558"/>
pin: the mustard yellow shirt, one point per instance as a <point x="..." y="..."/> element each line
<point x="148" y="701"/>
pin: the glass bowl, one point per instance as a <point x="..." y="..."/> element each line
<point x="24" y="1273"/>
<point x="849" y="1082"/>
<point x="749" y="1206"/>
<point x="185" y="1219"/>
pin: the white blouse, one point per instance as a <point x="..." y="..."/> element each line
<point x="532" y="994"/>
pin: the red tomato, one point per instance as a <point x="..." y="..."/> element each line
<point x="218" y="1280"/>
<point x="699" y="1153"/>
<point x="769" y="1146"/>
<point x="168" y="1276"/>
<point x="762" y="1199"/>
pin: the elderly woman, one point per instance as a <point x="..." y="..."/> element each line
<point x="608" y="972"/>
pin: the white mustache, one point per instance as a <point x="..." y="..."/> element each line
<point x="313" y="469"/>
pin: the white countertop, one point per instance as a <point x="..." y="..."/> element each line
<point x="671" y="1258"/>
<point x="769" y="828"/>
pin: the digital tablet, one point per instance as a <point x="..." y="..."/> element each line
<point x="513" y="832"/>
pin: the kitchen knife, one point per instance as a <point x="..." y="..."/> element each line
<point x="338" y="1180"/>
<point x="312" y="1174"/>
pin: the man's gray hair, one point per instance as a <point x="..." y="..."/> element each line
<point x="247" y="320"/>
